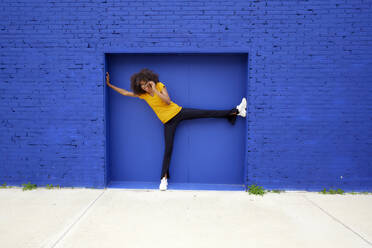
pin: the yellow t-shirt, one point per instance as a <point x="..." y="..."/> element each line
<point x="164" y="111"/>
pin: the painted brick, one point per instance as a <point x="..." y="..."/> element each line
<point x="309" y="103"/>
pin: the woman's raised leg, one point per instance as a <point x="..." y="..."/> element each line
<point x="193" y="113"/>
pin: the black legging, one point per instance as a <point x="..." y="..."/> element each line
<point x="186" y="114"/>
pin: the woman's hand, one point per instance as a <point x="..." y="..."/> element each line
<point x="108" y="79"/>
<point x="152" y="86"/>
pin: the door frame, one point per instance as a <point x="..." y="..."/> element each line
<point x="245" y="52"/>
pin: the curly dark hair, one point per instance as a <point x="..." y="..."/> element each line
<point x="144" y="75"/>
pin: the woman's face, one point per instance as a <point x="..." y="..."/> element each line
<point x="146" y="86"/>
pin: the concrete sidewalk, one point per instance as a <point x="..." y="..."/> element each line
<point x="82" y="217"/>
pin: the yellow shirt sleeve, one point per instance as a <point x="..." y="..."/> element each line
<point x="160" y="86"/>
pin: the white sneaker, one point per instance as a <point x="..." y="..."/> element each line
<point x="163" y="184"/>
<point x="242" y="108"/>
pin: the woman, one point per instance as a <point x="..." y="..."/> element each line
<point x="145" y="85"/>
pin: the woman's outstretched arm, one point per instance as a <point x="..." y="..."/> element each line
<point x="120" y="90"/>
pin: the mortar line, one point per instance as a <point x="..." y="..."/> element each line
<point x="70" y="227"/>
<point x="334" y="218"/>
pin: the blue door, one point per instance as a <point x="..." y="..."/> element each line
<point x="207" y="152"/>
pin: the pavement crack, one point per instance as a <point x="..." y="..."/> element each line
<point x="339" y="221"/>
<point x="77" y="220"/>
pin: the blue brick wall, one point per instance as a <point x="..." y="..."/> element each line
<point x="309" y="105"/>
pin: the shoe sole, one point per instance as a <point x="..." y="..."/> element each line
<point x="242" y="103"/>
<point x="242" y="107"/>
<point x="243" y="114"/>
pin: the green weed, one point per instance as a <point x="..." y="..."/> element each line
<point x="256" y="190"/>
<point x="28" y="186"/>
<point x="332" y="191"/>
<point x="276" y="191"/>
